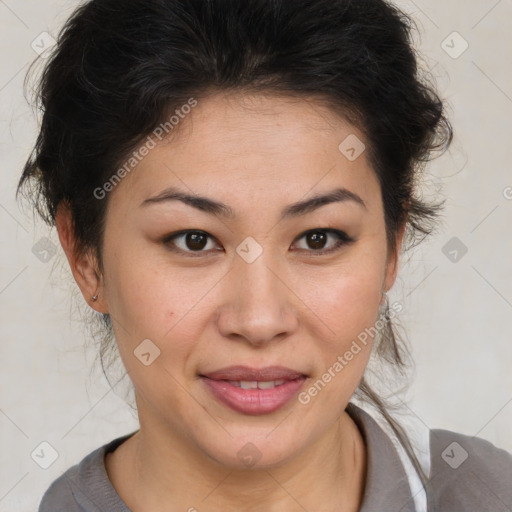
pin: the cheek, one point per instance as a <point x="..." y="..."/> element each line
<point x="345" y="299"/>
<point x="149" y="299"/>
<point x="345" y="302"/>
<point x="343" y="325"/>
<point x="139" y="292"/>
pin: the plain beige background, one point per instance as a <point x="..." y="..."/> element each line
<point x="457" y="314"/>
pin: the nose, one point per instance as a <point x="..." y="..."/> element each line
<point x="258" y="305"/>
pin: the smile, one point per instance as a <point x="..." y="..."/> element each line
<point x="254" y="397"/>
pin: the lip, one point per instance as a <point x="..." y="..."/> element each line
<point x="254" y="401"/>
<point x="238" y="373"/>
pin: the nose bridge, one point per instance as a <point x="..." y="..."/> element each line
<point x="259" y="283"/>
<point x="253" y="261"/>
<point x="259" y="305"/>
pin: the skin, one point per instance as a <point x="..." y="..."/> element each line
<point x="291" y="307"/>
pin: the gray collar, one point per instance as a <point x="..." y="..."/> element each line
<point x="387" y="486"/>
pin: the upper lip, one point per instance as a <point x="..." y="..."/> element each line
<point x="246" y="373"/>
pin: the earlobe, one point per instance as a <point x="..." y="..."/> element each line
<point x="83" y="264"/>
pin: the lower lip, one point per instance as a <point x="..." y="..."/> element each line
<point x="254" y="401"/>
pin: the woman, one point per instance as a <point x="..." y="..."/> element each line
<point x="232" y="183"/>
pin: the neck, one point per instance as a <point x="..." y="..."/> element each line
<point x="171" y="474"/>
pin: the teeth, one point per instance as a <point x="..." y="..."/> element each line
<point x="246" y="384"/>
<point x="266" y="385"/>
<point x="270" y="384"/>
<point x="253" y="384"/>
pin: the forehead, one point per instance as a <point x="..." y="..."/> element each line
<point x="261" y="125"/>
<point x="243" y="143"/>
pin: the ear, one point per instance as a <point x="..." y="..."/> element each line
<point x="83" y="265"/>
<point x="393" y="259"/>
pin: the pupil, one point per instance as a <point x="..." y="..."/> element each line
<point x="317" y="240"/>
<point x="195" y="241"/>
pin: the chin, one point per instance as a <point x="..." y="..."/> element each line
<point x="252" y="449"/>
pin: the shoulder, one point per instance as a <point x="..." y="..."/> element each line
<point x="468" y="473"/>
<point x="61" y="495"/>
<point x="85" y="487"/>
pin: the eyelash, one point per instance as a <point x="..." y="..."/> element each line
<point x="343" y="240"/>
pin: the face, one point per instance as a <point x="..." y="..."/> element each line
<point x="257" y="283"/>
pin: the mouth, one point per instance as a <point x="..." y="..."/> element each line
<point x="254" y="391"/>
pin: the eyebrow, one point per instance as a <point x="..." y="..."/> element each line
<point x="219" y="209"/>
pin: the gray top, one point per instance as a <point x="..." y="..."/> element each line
<point x="466" y="474"/>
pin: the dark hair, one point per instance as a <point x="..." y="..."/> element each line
<point x="120" y="69"/>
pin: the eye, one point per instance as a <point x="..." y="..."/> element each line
<point x="196" y="241"/>
<point x="317" y="239"/>
<point x="189" y="242"/>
